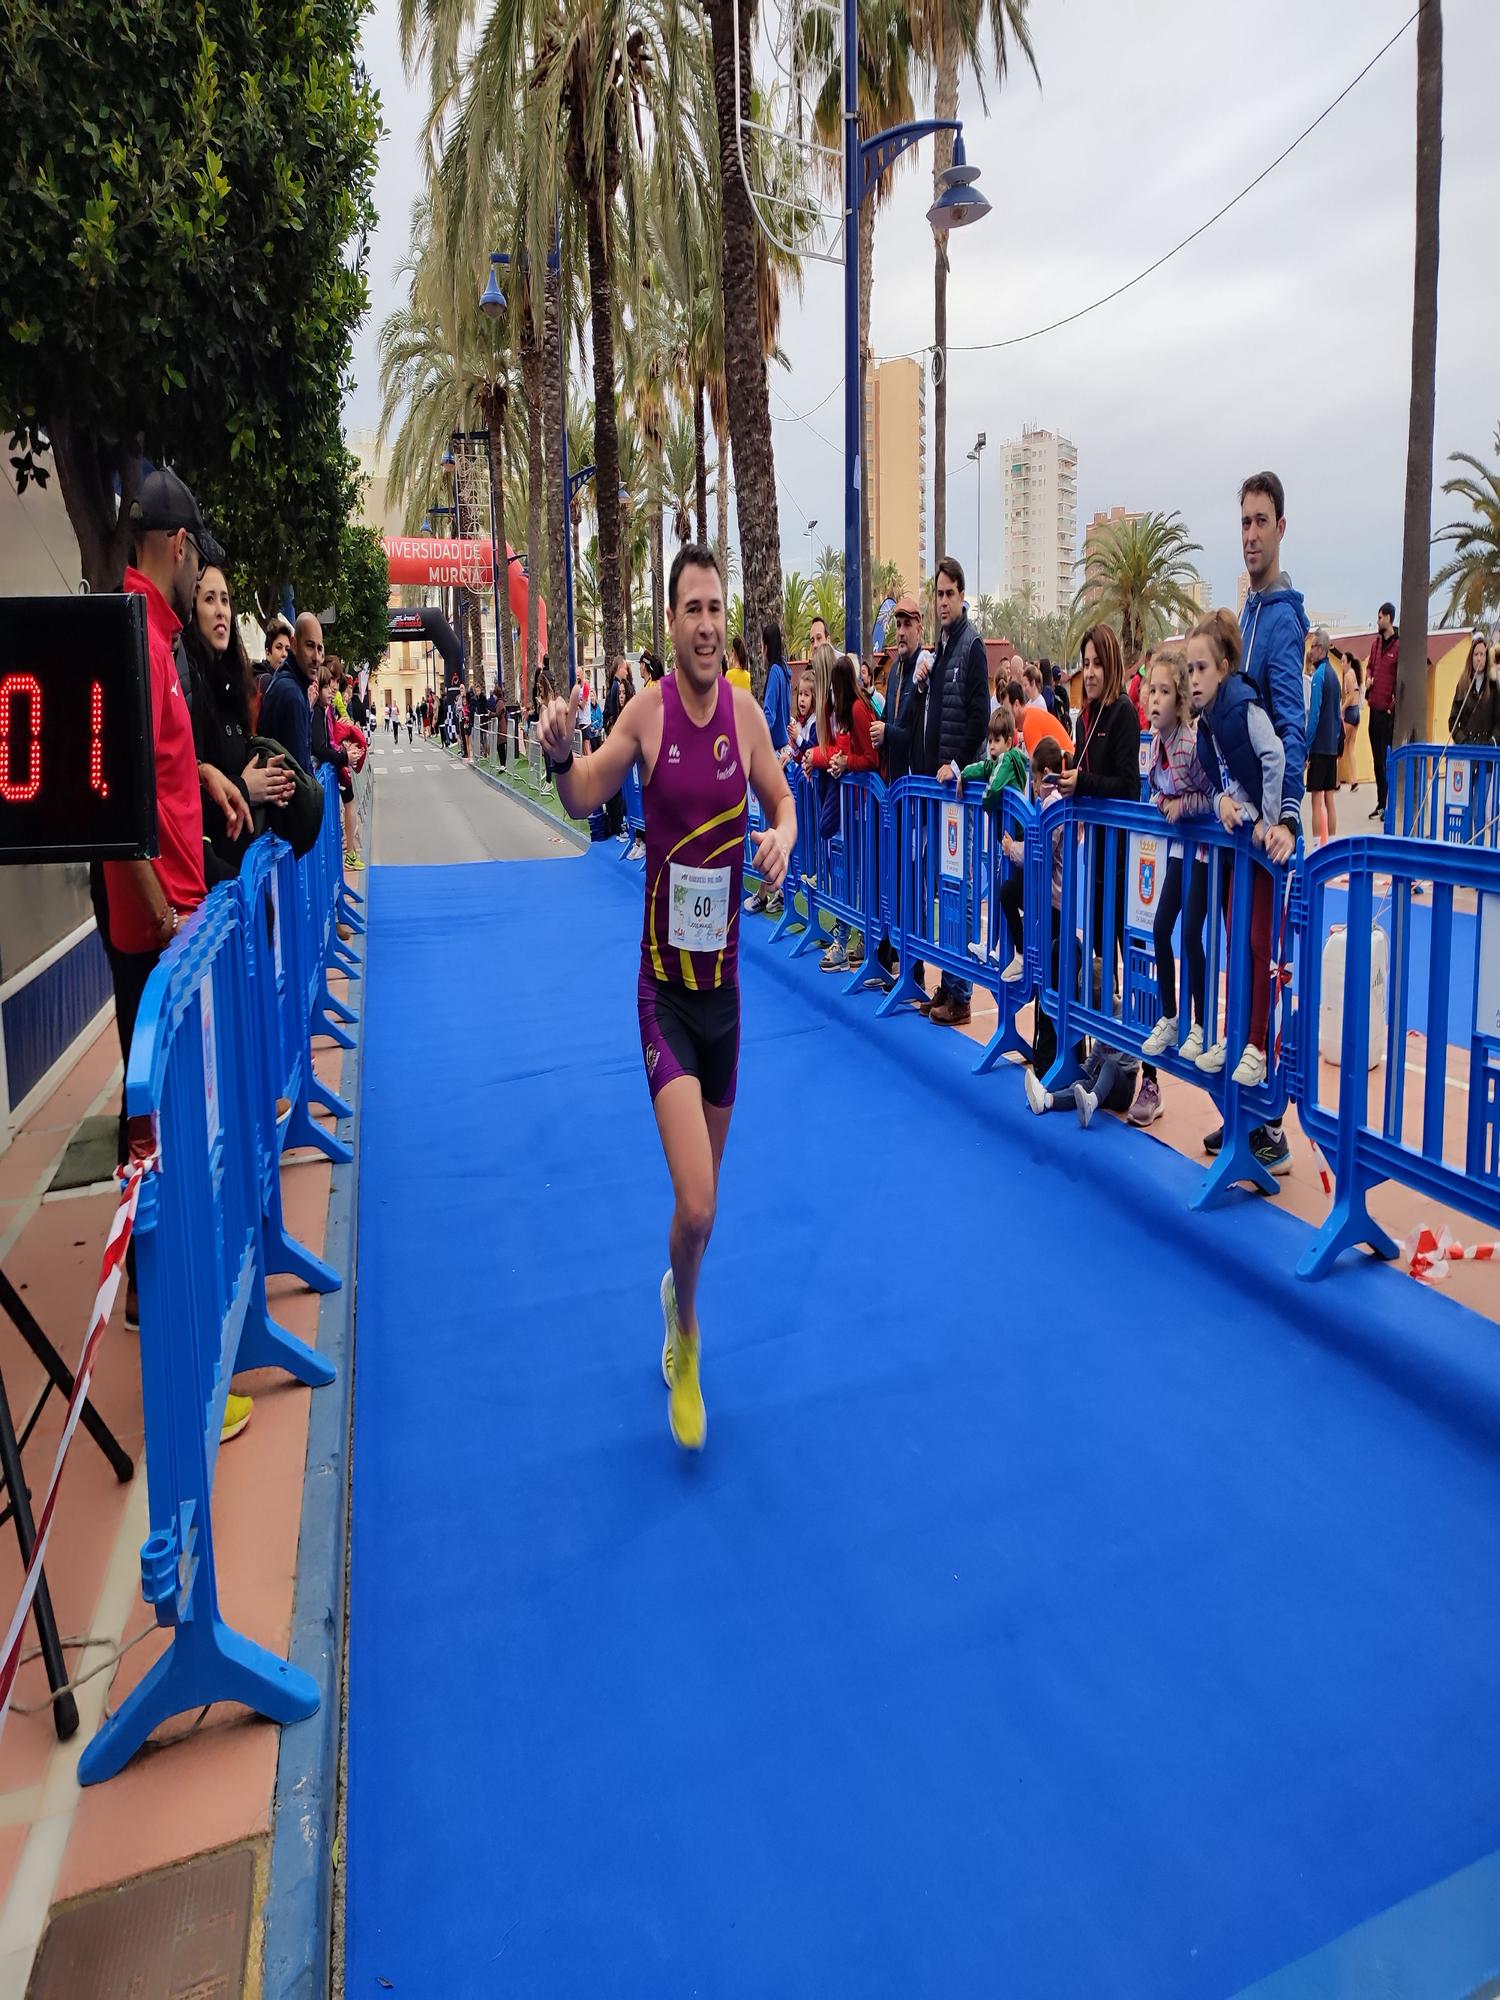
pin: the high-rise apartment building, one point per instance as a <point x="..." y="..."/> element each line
<point x="1039" y="518"/>
<point x="896" y="466"/>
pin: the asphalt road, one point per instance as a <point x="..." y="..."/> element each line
<point x="431" y="808"/>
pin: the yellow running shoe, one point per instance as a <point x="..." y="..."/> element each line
<point x="679" y="1368"/>
<point x="669" y="1322"/>
<point x="236" y="1415"/>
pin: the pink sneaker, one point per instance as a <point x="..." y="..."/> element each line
<point x="1147" y="1107"/>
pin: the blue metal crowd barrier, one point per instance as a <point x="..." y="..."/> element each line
<point x="209" y="1058"/>
<point x="845" y="879"/>
<point x="1102" y="975"/>
<point x="1448" y="792"/>
<point x="1443" y="980"/>
<point x="635" y="804"/>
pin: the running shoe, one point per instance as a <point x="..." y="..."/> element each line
<point x="1087" y="1104"/>
<point x="1213" y="1143"/>
<point x="753" y="905"/>
<point x="1036" y="1097"/>
<point x="1268" y="1144"/>
<point x="1212" y="1060"/>
<point x="685" y="1412"/>
<point x="1250" y="1071"/>
<point x="1192" y="1048"/>
<point x="1162" y="1037"/>
<point x="834" y="959"/>
<point x="1147" y="1107"/>
<point x="236" y="1415"/>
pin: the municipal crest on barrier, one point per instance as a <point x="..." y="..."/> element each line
<point x="952" y="857"/>
<point x="1146" y="879"/>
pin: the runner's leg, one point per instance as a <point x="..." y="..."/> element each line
<point x="693" y="1135"/>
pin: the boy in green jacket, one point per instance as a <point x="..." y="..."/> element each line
<point x="1006" y="763"/>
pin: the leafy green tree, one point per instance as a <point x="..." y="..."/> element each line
<point x="361" y="596"/>
<point x="180" y="191"/>
<point x="1472" y="575"/>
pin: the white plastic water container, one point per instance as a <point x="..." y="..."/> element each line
<point x="1331" y="1008"/>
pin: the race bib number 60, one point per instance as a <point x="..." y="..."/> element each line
<point x="700" y="908"/>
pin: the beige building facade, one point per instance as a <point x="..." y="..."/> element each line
<point x="896" y="455"/>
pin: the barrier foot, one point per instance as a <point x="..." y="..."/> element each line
<point x="321" y="1025"/>
<point x="302" y="1129"/>
<point x="1349" y="1225"/>
<point x="867" y="973"/>
<point x="206" y="1662"/>
<point x="814" y="935"/>
<point x="1007" y="1039"/>
<point x="265" y="1344"/>
<point x="902" y="994"/>
<point x="1236" y="1163"/>
<point x="287" y="1258"/>
<point x="788" y="920"/>
<point x="342" y="960"/>
<point x="331" y="1004"/>
<point x="350" y="916"/>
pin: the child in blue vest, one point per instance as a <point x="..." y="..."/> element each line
<point x="1244" y="762"/>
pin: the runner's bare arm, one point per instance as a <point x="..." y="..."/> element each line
<point x="773" y="848"/>
<point x="589" y="781"/>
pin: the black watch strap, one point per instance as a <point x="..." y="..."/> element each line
<point x="558" y="769"/>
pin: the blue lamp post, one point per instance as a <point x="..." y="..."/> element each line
<point x="959" y="204"/>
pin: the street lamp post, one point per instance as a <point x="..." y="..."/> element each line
<point x="959" y="204"/>
<point x="978" y="512"/>
<point x="812" y="560"/>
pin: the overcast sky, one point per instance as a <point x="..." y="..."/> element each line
<point x="1281" y="338"/>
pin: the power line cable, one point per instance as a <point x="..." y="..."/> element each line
<point x="1053" y="326"/>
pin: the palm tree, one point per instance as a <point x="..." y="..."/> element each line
<point x="745" y="266"/>
<point x="1135" y="575"/>
<point x="1472" y="576"/>
<point x="886" y="580"/>
<point x="679" y="469"/>
<point x="828" y="604"/>
<point x="1416" y="543"/>
<point x="985" y="615"/>
<point x="796" y="610"/>
<point x="830" y="562"/>
<point x="948" y="35"/>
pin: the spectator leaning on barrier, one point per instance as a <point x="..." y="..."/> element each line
<point x="958" y="714"/>
<point x="223" y="684"/>
<point x="1380" y="696"/>
<point x="278" y="643"/>
<point x="1033" y="722"/>
<point x="845" y="720"/>
<point x="285" y="708"/>
<point x="1180" y="791"/>
<point x="1475" y="713"/>
<point x="777" y="704"/>
<point x="1325" y="732"/>
<point x="900" y="734"/>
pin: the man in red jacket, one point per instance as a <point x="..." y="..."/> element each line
<point x="1381" y="698"/>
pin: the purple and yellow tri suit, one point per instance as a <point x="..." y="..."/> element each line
<point x="697" y="805"/>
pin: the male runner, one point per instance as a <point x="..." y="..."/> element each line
<point x="698" y="740"/>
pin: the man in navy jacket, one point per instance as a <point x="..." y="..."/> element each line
<point x="285" y="707"/>
<point x="958" y="721"/>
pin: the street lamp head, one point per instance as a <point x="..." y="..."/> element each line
<point x="960" y="202"/>
<point x="960" y="174"/>
<point x="492" y="299"/>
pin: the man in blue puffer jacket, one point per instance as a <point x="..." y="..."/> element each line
<point x="1273" y="626"/>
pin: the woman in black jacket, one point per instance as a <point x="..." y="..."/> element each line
<point x="222" y="684"/>
<point x="1107" y="765"/>
<point x="1475" y="714"/>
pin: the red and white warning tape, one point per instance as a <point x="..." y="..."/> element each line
<point x="1427" y="1254"/>
<point x="111" y="1264"/>
<point x="1323" y="1174"/>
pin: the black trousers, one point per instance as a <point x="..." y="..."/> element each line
<point x="128" y="973"/>
<point x="1382" y="728"/>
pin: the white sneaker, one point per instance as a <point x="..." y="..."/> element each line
<point x="1250" y="1070"/>
<point x="978" y="951"/>
<point x="1086" y="1101"/>
<point x="1015" y="971"/>
<point x="835" y="959"/>
<point x="1162" y="1037"/>
<point x="1039" y="1099"/>
<point x="1192" y="1048"/>
<point x="753" y="905"/>
<point x="1212" y="1060"/>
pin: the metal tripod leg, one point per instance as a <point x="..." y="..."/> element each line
<point x="65" y="1708"/>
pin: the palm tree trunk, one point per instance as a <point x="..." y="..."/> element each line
<point x="536" y="566"/>
<point x="557" y="506"/>
<point x="744" y="358"/>
<point x="627" y="579"/>
<point x="866" y="287"/>
<point x="721" y="495"/>
<point x="1416" y="548"/>
<point x="86" y="471"/>
<point x="494" y="417"/>
<point x="944" y="105"/>
<point x="700" y="461"/>
<point x="658" y="567"/>
<point x="606" y="425"/>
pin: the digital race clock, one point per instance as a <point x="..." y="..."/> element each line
<point x="77" y="771"/>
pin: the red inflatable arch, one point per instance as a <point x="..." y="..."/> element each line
<point x="426" y="559"/>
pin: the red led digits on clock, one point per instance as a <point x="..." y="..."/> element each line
<point x="16" y="688"/>
<point x="97" y="780"/>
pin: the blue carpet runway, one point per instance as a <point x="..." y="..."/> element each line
<point x="1067" y="1602"/>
